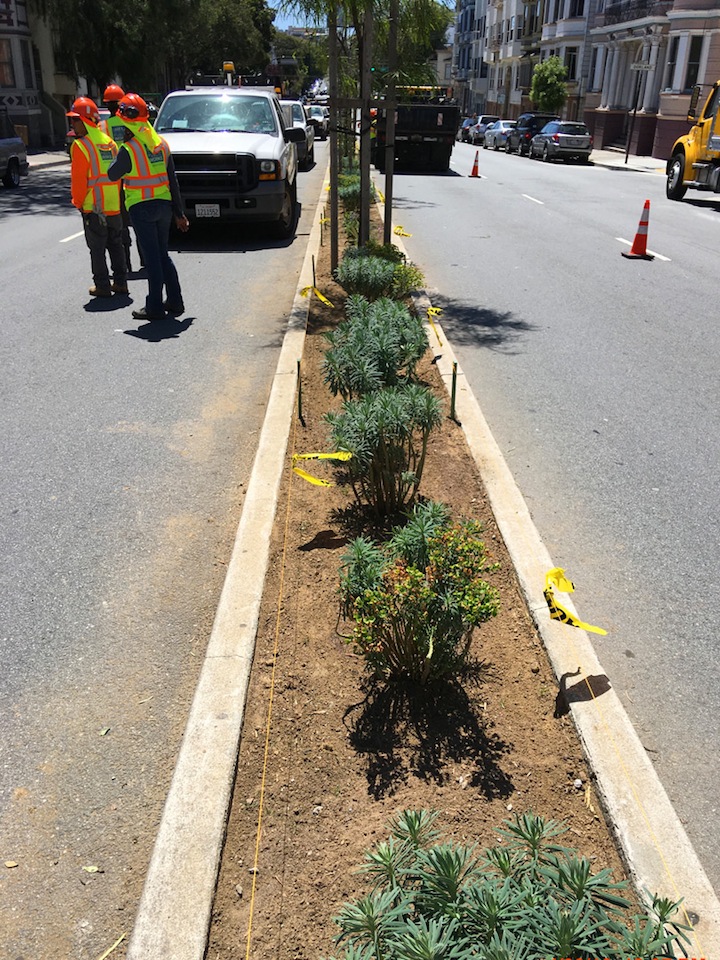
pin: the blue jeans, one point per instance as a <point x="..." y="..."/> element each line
<point x="151" y="221"/>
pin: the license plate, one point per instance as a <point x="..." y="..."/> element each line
<point x="574" y="142"/>
<point x="207" y="209"/>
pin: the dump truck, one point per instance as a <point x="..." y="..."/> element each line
<point x="695" y="160"/>
<point x="426" y="123"/>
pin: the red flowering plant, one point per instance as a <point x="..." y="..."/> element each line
<point x="416" y="599"/>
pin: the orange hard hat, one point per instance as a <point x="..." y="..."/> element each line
<point x="133" y="107"/>
<point x="113" y="93"/>
<point x="84" y="109"/>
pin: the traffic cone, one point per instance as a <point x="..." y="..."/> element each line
<point x="638" y="250"/>
<point x="475" y="165"/>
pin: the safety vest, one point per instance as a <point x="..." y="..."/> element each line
<point x="113" y="127"/>
<point x="148" y="179"/>
<point x="103" y="195"/>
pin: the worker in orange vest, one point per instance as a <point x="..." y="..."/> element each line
<point x="97" y="198"/>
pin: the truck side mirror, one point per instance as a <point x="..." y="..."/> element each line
<point x="692" y="108"/>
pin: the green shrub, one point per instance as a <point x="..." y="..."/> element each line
<point x="386" y="251"/>
<point x="351" y="225"/>
<point x="408" y="277"/>
<point x="387" y="433"/>
<point x="372" y="277"/>
<point x="528" y="899"/>
<point x="349" y="192"/>
<point x="416" y="599"/>
<point x="378" y="345"/>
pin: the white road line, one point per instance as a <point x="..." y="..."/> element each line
<point x="534" y="199"/>
<point x="73" y="237"/>
<point x="658" y="256"/>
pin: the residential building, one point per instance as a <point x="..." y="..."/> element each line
<point x="631" y="64"/>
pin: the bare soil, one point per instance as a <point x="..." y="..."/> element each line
<point x="327" y="758"/>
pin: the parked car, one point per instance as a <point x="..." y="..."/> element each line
<point x="566" y="139"/>
<point x="497" y="133"/>
<point x="235" y="155"/>
<point x="13" y="153"/>
<point x="320" y="118"/>
<point x="296" y="115"/>
<point x="477" y="131"/>
<point x="464" y="129"/>
<point x="528" y="124"/>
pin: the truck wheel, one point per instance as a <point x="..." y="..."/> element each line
<point x="675" y="189"/>
<point x="284" y="226"/>
<point x="12" y="174"/>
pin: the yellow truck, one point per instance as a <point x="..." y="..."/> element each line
<point x="695" y="160"/>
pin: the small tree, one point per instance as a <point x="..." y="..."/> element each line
<point x="548" y="90"/>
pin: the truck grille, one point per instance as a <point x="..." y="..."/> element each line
<point x="203" y="174"/>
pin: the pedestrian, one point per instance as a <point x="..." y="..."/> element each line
<point x="115" y="128"/>
<point x="152" y="197"/>
<point x="97" y="197"/>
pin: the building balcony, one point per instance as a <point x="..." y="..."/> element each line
<point x="623" y="11"/>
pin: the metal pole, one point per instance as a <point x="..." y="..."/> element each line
<point x="632" y="122"/>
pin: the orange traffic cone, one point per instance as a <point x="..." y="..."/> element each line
<point x="475" y="165"/>
<point x="638" y="250"/>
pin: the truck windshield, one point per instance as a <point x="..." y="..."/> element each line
<point x="216" y="112"/>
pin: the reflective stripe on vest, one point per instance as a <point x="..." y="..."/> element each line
<point x="103" y="195"/>
<point x="141" y="183"/>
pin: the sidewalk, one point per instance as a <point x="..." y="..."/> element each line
<point x="51" y="158"/>
<point x="616" y="160"/>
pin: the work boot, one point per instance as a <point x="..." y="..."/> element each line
<point x="175" y="310"/>
<point x="142" y="314"/>
<point x="100" y="292"/>
<point x="119" y="287"/>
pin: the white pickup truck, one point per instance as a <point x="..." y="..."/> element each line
<point x="235" y="158"/>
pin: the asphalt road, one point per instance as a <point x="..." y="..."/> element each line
<point x="598" y="377"/>
<point x="125" y="450"/>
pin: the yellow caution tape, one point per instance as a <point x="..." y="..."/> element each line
<point x="311" y="479"/>
<point x="555" y="579"/>
<point x="381" y="195"/>
<point x="308" y="290"/>
<point x="434" y="311"/>
<point x="112" y="948"/>
<point x="400" y="231"/>
<point x="336" y="455"/>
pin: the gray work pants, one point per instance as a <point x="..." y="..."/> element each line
<point x="105" y="233"/>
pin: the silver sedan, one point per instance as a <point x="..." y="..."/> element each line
<point x="497" y="133"/>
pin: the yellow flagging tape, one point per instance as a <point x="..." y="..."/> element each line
<point x="555" y="579"/>
<point x="400" y="231"/>
<point x="336" y="455"/>
<point x="306" y="291"/>
<point x="434" y="312"/>
<point x="113" y="947"/>
<point x="310" y="479"/>
<point x="381" y="195"/>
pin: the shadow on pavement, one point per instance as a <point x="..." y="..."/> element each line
<point x="167" y="329"/>
<point x="469" y="323"/>
<point x="219" y="237"/>
<point x="42" y="191"/>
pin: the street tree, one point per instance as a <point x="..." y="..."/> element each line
<point x="548" y="89"/>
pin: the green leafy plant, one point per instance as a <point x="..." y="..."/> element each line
<point x="351" y="225"/>
<point x="416" y="599"/>
<point x="407" y="278"/>
<point x="372" y="277"/>
<point x="387" y="433"/>
<point x="349" y="192"/>
<point x="378" y="344"/>
<point x="438" y="901"/>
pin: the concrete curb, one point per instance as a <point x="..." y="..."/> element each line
<point x="652" y="840"/>
<point x="173" y="918"/>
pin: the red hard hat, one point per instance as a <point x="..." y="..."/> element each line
<point x="113" y="93"/>
<point x="133" y="107"/>
<point x="84" y="109"/>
